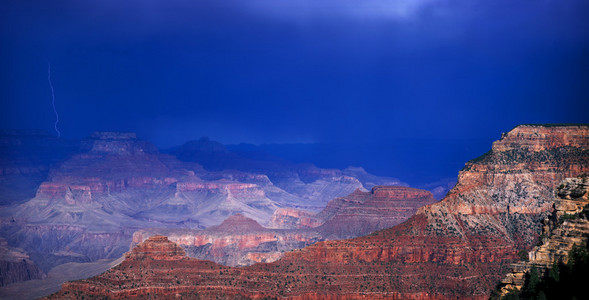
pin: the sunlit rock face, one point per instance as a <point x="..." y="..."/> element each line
<point x="567" y="225"/>
<point x="458" y="247"/>
<point x="358" y="213"/>
<point x="515" y="181"/>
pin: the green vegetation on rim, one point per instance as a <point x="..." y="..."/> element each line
<point x="561" y="281"/>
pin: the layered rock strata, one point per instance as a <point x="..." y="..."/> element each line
<point x="361" y="213"/>
<point x="309" y="187"/>
<point x="358" y="213"/>
<point x="242" y="241"/>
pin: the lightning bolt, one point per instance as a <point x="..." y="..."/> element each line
<point x="53" y="99"/>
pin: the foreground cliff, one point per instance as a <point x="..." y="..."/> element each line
<point x="459" y="247"/>
<point x="566" y="228"/>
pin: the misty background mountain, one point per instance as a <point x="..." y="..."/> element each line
<point x="422" y="163"/>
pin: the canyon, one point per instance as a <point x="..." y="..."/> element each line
<point x="460" y="247"/>
<point x="81" y="201"/>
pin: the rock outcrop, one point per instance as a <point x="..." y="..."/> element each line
<point x="458" y="247"/>
<point x="567" y="226"/>
<point x="155" y="267"/>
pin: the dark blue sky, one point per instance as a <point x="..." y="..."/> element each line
<point x="277" y="71"/>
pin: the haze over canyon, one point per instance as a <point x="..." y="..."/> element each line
<point x="114" y="193"/>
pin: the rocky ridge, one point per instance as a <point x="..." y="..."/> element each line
<point x="458" y="247"/>
<point x="146" y="272"/>
<point x="240" y="241"/>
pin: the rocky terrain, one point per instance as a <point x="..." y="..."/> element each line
<point x="240" y="241"/>
<point x="81" y="201"/>
<point x="567" y="226"/>
<point x="459" y="247"/>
